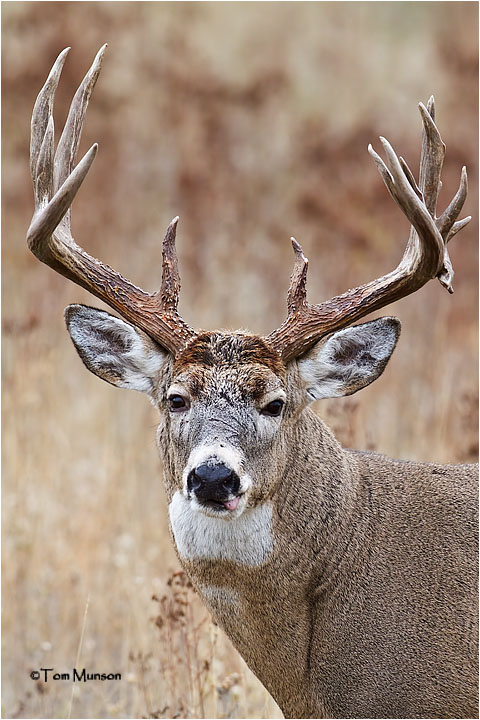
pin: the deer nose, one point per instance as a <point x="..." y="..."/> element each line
<point x="213" y="482"/>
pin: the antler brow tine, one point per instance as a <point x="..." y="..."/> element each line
<point x="170" y="289"/>
<point x="297" y="292"/>
<point x="55" y="183"/>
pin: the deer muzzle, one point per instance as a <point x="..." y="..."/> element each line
<point x="214" y="484"/>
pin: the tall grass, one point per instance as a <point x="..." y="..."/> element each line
<point x="250" y="121"/>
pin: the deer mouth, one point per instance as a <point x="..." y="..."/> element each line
<point x="220" y="505"/>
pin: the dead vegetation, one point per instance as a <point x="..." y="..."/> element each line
<point x="251" y="121"/>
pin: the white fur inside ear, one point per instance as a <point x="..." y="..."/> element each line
<point x="349" y="359"/>
<point x="113" y="349"/>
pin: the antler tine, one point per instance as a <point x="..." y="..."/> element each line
<point x="425" y="256"/>
<point x="49" y="238"/>
<point x="170" y="289"/>
<point x="70" y="137"/>
<point x="41" y="135"/>
<point x="446" y="222"/>
<point x="431" y="158"/>
<point x="43" y="178"/>
<point x="45" y="222"/>
<point x="297" y="292"/>
<point x="42" y="110"/>
<point x="431" y="162"/>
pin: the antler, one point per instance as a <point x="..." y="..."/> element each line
<point x="425" y="256"/>
<point x="55" y="185"/>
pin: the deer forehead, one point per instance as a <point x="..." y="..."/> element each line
<point x="235" y="366"/>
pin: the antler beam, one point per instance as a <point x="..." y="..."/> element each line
<point x="56" y="183"/>
<point x="49" y="237"/>
<point x="425" y="256"/>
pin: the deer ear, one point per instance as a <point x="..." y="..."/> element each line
<point x="114" y="350"/>
<point x="349" y="359"/>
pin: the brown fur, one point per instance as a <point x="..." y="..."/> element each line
<point x="210" y="353"/>
<point x="364" y="603"/>
<point x="213" y="349"/>
<point x="366" y="606"/>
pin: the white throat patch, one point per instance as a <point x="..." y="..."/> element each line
<point x="245" y="540"/>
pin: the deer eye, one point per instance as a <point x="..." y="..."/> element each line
<point x="273" y="409"/>
<point x="177" y="403"/>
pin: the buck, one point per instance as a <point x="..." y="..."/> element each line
<point x="345" y="579"/>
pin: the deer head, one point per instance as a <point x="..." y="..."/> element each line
<point x="230" y="402"/>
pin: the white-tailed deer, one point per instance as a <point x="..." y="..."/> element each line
<point x="345" y="579"/>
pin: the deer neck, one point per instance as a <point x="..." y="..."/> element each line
<point x="259" y="573"/>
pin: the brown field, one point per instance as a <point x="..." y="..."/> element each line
<point x="250" y="121"/>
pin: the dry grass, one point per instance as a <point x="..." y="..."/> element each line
<point x="251" y="122"/>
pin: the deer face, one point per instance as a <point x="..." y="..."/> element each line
<point x="223" y="411"/>
<point x="228" y="402"/>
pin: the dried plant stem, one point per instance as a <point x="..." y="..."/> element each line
<point x="79" y="651"/>
<point x="213" y="683"/>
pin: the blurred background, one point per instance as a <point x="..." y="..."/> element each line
<point x="251" y="121"/>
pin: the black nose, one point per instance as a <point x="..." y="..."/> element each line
<point x="213" y="481"/>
